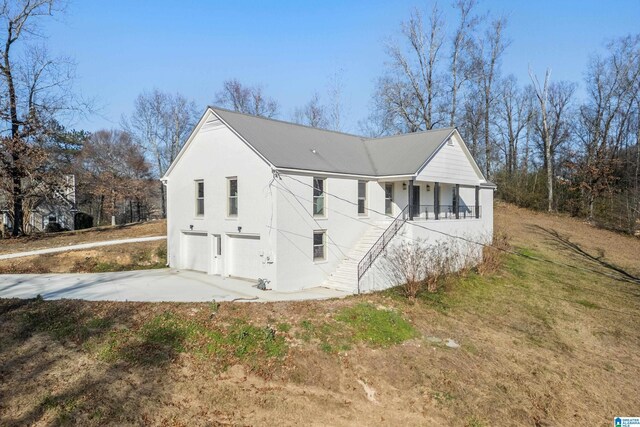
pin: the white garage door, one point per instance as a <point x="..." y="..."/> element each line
<point x="245" y="259"/>
<point x="195" y="251"/>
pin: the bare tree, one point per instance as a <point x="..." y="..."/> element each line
<point x="246" y="99"/>
<point x="336" y="109"/>
<point x="312" y="114"/>
<point x="160" y="124"/>
<point x="488" y="54"/>
<point x="552" y="125"/>
<point x="35" y="92"/>
<point x="407" y="96"/>
<point x="460" y="52"/>
<point x="114" y="175"/>
<point x="514" y="113"/>
<point x="605" y="118"/>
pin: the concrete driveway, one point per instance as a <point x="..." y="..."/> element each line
<point x="147" y="285"/>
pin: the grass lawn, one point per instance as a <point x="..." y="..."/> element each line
<point x="539" y="344"/>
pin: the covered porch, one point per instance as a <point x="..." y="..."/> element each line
<point x="431" y="200"/>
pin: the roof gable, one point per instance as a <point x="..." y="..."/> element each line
<point x="452" y="162"/>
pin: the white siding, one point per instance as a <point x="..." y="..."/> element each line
<point x="344" y="227"/>
<point x="216" y="153"/>
<point x="451" y="165"/>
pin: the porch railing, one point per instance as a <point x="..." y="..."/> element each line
<point x="367" y="260"/>
<point x="447" y="212"/>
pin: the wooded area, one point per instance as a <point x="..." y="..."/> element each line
<point x="550" y="145"/>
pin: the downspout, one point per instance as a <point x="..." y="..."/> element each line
<point x="165" y="182"/>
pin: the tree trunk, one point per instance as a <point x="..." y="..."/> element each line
<point x="547" y="154"/>
<point x="18" y="214"/>
<point x="100" y="206"/>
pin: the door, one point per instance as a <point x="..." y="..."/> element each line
<point x="195" y="251"/>
<point x="216" y="267"/>
<point x="388" y="198"/>
<point x="416" y="200"/>
<point x="245" y="261"/>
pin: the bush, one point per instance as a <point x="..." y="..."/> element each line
<point x="418" y="265"/>
<point x="53" y="227"/>
<point x="492" y="255"/>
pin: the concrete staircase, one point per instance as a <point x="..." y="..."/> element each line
<point x="345" y="278"/>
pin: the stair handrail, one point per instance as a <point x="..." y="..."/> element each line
<point x="376" y="249"/>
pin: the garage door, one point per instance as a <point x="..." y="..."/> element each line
<point x="245" y="259"/>
<point x="195" y="252"/>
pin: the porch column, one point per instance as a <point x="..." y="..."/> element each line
<point x="436" y="199"/>
<point x="457" y="202"/>
<point x="477" y="201"/>
<point x="410" y="199"/>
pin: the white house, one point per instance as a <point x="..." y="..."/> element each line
<point x="253" y="198"/>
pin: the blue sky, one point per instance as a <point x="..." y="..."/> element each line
<point x="292" y="48"/>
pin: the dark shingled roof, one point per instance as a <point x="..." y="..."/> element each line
<point x="293" y="146"/>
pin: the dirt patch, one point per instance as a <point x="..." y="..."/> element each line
<point x="539" y="344"/>
<point x="125" y="257"/>
<point x="97" y="234"/>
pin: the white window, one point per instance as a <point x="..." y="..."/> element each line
<point x="319" y="245"/>
<point x="318" y="197"/>
<point x="232" y="191"/>
<point x="362" y="197"/>
<point x="199" y="198"/>
<point x="388" y="198"/>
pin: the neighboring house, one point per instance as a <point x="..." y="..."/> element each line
<point x="257" y="198"/>
<point x="54" y="206"/>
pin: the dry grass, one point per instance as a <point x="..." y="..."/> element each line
<point x="124" y="257"/>
<point x="97" y="234"/>
<point x="540" y="344"/>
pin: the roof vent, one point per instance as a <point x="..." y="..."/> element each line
<point x="450" y="142"/>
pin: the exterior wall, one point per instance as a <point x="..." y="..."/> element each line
<point x="344" y="227"/>
<point x="450" y="165"/>
<point x="432" y="232"/>
<point x="280" y="211"/>
<point x="214" y="155"/>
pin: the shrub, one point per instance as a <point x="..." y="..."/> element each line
<point x="418" y="265"/>
<point x="53" y="227"/>
<point x="492" y="255"/>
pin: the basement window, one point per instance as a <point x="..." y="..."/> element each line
<point x="319" y="245"/>
<point x="199" y="198"/>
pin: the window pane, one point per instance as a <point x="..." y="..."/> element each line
<point x="200" y="207"/>
<point x="233" y="187"/>
<point x="318" y="245"/>
<point x="318" y="186"/>
<point x="233" y="206"/>
<point x="361" y="207"/>
<point x="318" y="205"/>
<point x="362" y="189"/>
<point x="388" y="207"/>
<point x="388" y="191"/>
<point x="200" y="189"/>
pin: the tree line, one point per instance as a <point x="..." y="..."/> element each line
<point x="549" y="144"/>
<point x="545" y="147"/>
